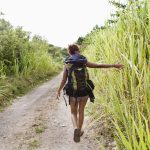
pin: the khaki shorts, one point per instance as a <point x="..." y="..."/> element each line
<point x="83" y="98"/>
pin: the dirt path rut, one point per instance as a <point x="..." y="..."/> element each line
<point x="39" y="121"/>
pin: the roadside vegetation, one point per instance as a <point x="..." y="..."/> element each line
<point x="123" y="96"/>
<point x="25" y="60"/>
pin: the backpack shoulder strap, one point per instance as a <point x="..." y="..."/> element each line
<point x="65" y="60"/>
<point x="83" y="59"/>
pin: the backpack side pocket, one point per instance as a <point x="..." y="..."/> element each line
<point x="68" y="90"/>
<point x="90" y="84"/>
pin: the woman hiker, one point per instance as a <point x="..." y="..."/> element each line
<point x="79" y="87"/>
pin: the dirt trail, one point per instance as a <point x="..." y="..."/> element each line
<point x="39" y="121"/>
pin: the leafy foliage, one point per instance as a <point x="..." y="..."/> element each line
<point x="23" y="57"/>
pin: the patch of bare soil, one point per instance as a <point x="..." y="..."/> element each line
<point x="39" y="121"/>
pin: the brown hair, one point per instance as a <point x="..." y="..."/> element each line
<point x="73" y="48"/>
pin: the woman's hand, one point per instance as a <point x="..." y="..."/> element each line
<point x="63" y="81"/>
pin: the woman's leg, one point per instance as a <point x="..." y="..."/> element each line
<point x="74" y="110"/>
<point x="82" y="103"/>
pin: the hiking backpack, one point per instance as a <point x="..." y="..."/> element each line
<point x="78" y="83"/>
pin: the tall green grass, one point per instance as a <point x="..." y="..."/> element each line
<point x="125" y="94"/>
<point x="24" y="61"/>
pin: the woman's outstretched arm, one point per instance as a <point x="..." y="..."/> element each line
<point x="95" y="65"/>
<point x="63" y="81"/>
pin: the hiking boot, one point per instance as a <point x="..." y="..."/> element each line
<point x="77" y="133"/>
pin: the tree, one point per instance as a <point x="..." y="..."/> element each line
<point x="117" y="4"/>
<point x="5" y="25"/>
<point x="120" y="9"/>
<point x="80" y="40"/>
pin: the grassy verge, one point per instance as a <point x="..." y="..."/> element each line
<point x="25" y="61"/>
<point x="13" y="87"/>
<point x="124" y="95"/>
